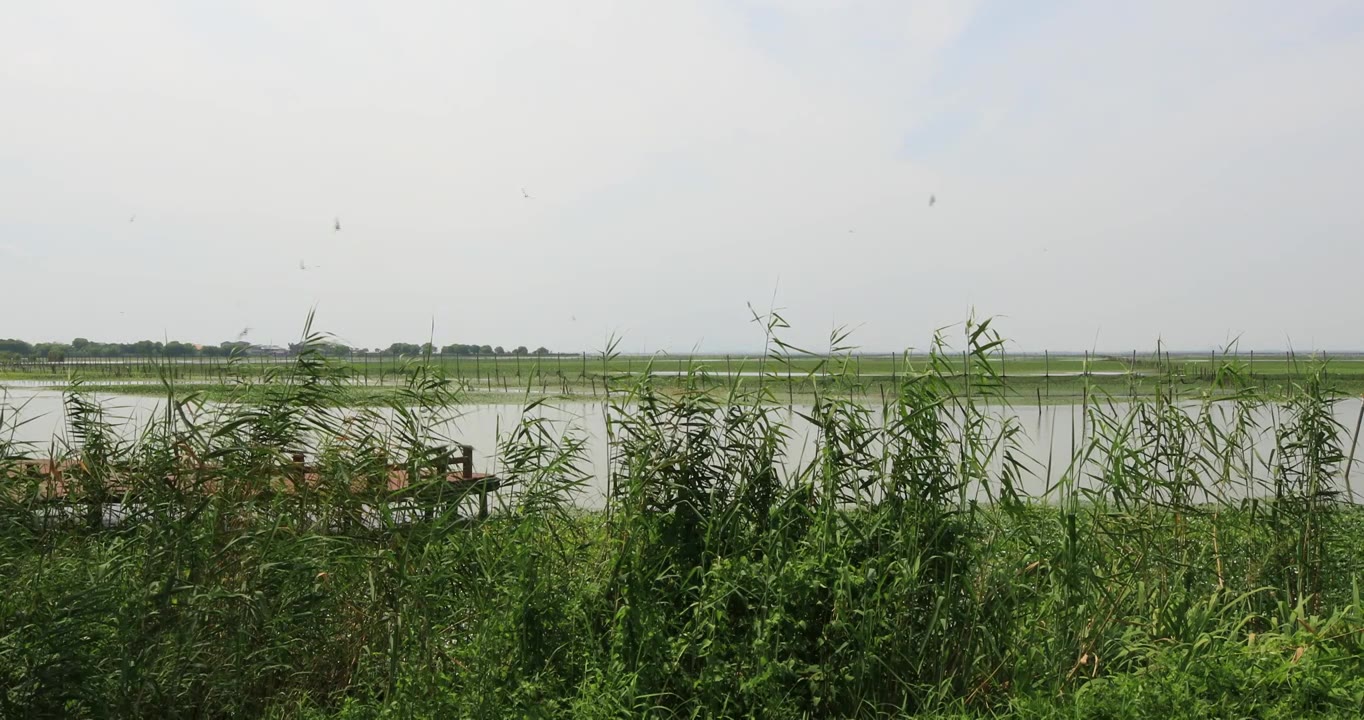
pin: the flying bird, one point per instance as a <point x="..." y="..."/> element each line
<point x="132" y="218"/>
<point x="245" y="331"/>
<point x="525" y="195"/>
<point x="932" y="200"/>
<point x="337" y="227"/>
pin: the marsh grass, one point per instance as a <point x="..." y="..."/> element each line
<point x="898" y="569"/>
<point x="1045" y="379"/>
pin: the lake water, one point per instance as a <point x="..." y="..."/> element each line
<point x="1050" y="433"/>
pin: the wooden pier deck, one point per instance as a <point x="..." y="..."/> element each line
<point x="443" y="481"/>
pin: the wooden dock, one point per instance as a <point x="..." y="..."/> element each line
<point x="450" y="478"/>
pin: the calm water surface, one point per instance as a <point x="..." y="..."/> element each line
<point x="36" y="418"/>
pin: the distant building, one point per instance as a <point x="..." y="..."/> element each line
<point x="267" y="351"/>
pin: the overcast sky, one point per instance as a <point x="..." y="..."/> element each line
<point x="1106" y="173"/>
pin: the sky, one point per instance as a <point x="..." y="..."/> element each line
<point x="1106" y="175"/>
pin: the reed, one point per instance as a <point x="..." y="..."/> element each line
<point x="897" y="568"/>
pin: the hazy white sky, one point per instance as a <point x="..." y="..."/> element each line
<point x="1106" y="173"/>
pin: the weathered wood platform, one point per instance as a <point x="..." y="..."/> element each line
<point x="70" y="479"/>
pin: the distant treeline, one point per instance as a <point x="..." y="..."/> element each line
<point x="11" y="349"/>
<point x="459" y="349"/>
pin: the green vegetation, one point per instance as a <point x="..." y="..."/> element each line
<point x="1026" y="379"/>
<point x="15" y="353"/>
<point x="896" y="572"/>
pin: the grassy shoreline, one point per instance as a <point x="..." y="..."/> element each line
<point x="496" y="618"/>
<point x="862" y="581"/>
<point x="1022" y="391"/>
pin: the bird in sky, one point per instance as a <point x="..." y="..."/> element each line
<point x="337" y="226"/>
<point x="245" y="331"/>
<point x="525" y="195"/>
<point x="932" y="200"/>
<point x="132" y="218"/>
<point x="305" y="268"/>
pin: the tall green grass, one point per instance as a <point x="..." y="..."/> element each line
<point x="899" y="569"/>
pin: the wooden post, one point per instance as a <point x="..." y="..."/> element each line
<point x="300" y="472"/>
<point x="442" y="480"/>
<point x="1354" y="445"/>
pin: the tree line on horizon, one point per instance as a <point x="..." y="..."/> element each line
<point x="12" y="349"/>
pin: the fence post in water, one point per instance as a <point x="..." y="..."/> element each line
<point x="1354" y="444"/>
<point x="1132" y="377"/>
